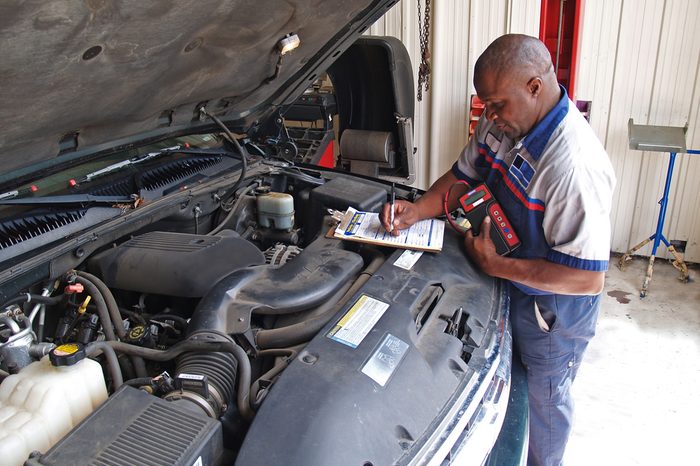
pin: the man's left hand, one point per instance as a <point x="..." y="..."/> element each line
<point x="481" y="249"/>
<point x="535" y="273"/>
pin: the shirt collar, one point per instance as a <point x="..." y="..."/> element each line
<point x="537" y="138"/>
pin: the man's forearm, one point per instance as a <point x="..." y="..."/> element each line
<point x="430" y="204"/>
<point x="547" y="276"/>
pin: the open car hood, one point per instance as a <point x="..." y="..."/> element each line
<point x="82" y="77"/>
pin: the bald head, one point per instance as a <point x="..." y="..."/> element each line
<point x="515" y="79"/>
<point x="515" y="56"/>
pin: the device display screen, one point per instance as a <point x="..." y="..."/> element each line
<point x="475" y="196"/>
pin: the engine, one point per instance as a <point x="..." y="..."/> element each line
<point x="195" y="325"/>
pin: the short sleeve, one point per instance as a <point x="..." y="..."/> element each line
<point x="463" y="168"/>
<point x="577" y="219"/>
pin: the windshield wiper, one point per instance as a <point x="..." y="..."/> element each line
<point x="125" y="163"/>
<point x="70" y="199"/>
<point x="151" y="155"/>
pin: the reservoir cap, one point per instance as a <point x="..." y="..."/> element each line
<point x="67" y="354"/>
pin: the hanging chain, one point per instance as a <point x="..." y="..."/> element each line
<point x="424" y="38"/>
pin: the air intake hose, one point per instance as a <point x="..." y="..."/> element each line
<point x="304" y="283"/>
<point x="206" y="379"/>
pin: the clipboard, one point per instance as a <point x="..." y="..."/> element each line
<point x="365" y="227"/>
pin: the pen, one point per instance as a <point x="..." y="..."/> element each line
<point x="393" y="199"/>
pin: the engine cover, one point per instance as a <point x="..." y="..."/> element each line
<point x="175" y="264"/>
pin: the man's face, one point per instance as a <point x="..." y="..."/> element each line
<point x="511" y="102"/>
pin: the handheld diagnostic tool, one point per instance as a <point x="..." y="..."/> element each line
<point x="475" y="204"/>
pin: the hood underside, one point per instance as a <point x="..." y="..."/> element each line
<point x="79" y="75"/>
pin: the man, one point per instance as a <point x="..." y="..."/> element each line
<point x="552" y="177"/>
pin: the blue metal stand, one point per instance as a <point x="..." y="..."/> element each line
<point x="663" y="139"/>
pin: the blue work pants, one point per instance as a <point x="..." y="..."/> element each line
<point x="552" y="357"/>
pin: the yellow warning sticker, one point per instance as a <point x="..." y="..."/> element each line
<point x="354" y="326"/>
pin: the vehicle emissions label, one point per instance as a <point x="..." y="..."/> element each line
<point x="354" y="326"/>
<point x="385" y="359"/>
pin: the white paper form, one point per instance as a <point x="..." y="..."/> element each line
<point x="356" y="225"/>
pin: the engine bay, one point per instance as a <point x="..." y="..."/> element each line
<point x="224" y="308"/>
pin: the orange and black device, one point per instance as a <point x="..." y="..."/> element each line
<point x="474" y="204"/>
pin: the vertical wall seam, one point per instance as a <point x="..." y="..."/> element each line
<point x="509" y="13"/>
<point x="692" y="110"/>
<point x="654" y="90"/>
<point x="614" y="75"/>
<point x="608" y="123"/>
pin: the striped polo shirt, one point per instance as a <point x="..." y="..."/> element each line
<point x="555" y="185"/>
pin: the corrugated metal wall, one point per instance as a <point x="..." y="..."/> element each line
<point x="638" y="59"/>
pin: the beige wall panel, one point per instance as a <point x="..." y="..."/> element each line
<point x="524" y="17"/>
<point x="448" y="93"/>
<point x="669" y="106"/>
<point x="690" y="167"/>
<point x="629" y="94"/>
<point x="632" y="91"/>
<point x="597" y="56"/>
<point x="672" y="105"/>
<point x="640" y="59"/>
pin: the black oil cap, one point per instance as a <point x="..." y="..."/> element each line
<point x="67" y="354"/>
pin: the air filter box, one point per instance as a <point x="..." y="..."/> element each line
<point x="135" y="428"/>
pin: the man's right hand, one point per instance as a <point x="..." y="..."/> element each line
<point x="405" y="214"/>
<point x="427" y="206"/>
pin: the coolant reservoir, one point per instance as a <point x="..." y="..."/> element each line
<point x="45" y="400"/>
<point x="276" y="210"/>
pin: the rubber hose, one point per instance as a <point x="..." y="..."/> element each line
<point x="233" y="210"/>
<point x="218" y="367"/>
<point x="109" y="300"/>
<point x="133" y="315"/>
<point x="139" y="381"/>
<point x="31" y="298"/>
<point x="138" y="365"/>
<point x="289" y="353"/>
<point x="103" y="347"/>
<point x="303" y="331"/>
<point x="244" y="371"/>
<point x="101" y="306"/>
<point x="276" y="352"/>
<point x="237" y="145"/>
<point x="180" y="320"/>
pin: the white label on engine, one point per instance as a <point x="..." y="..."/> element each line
<point x="354" y="326"/>
<point x="408" y="259"/>
<point x="385" y="359"/>
<point x="198" y="462"/>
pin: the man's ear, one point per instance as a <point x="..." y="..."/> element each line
<point x="534" y="86"/>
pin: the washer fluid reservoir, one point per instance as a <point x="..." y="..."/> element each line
<point x="276" y="210"/>
<point x="46" y="399"/>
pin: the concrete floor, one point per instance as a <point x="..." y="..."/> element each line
<point x="638" y="389"/>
